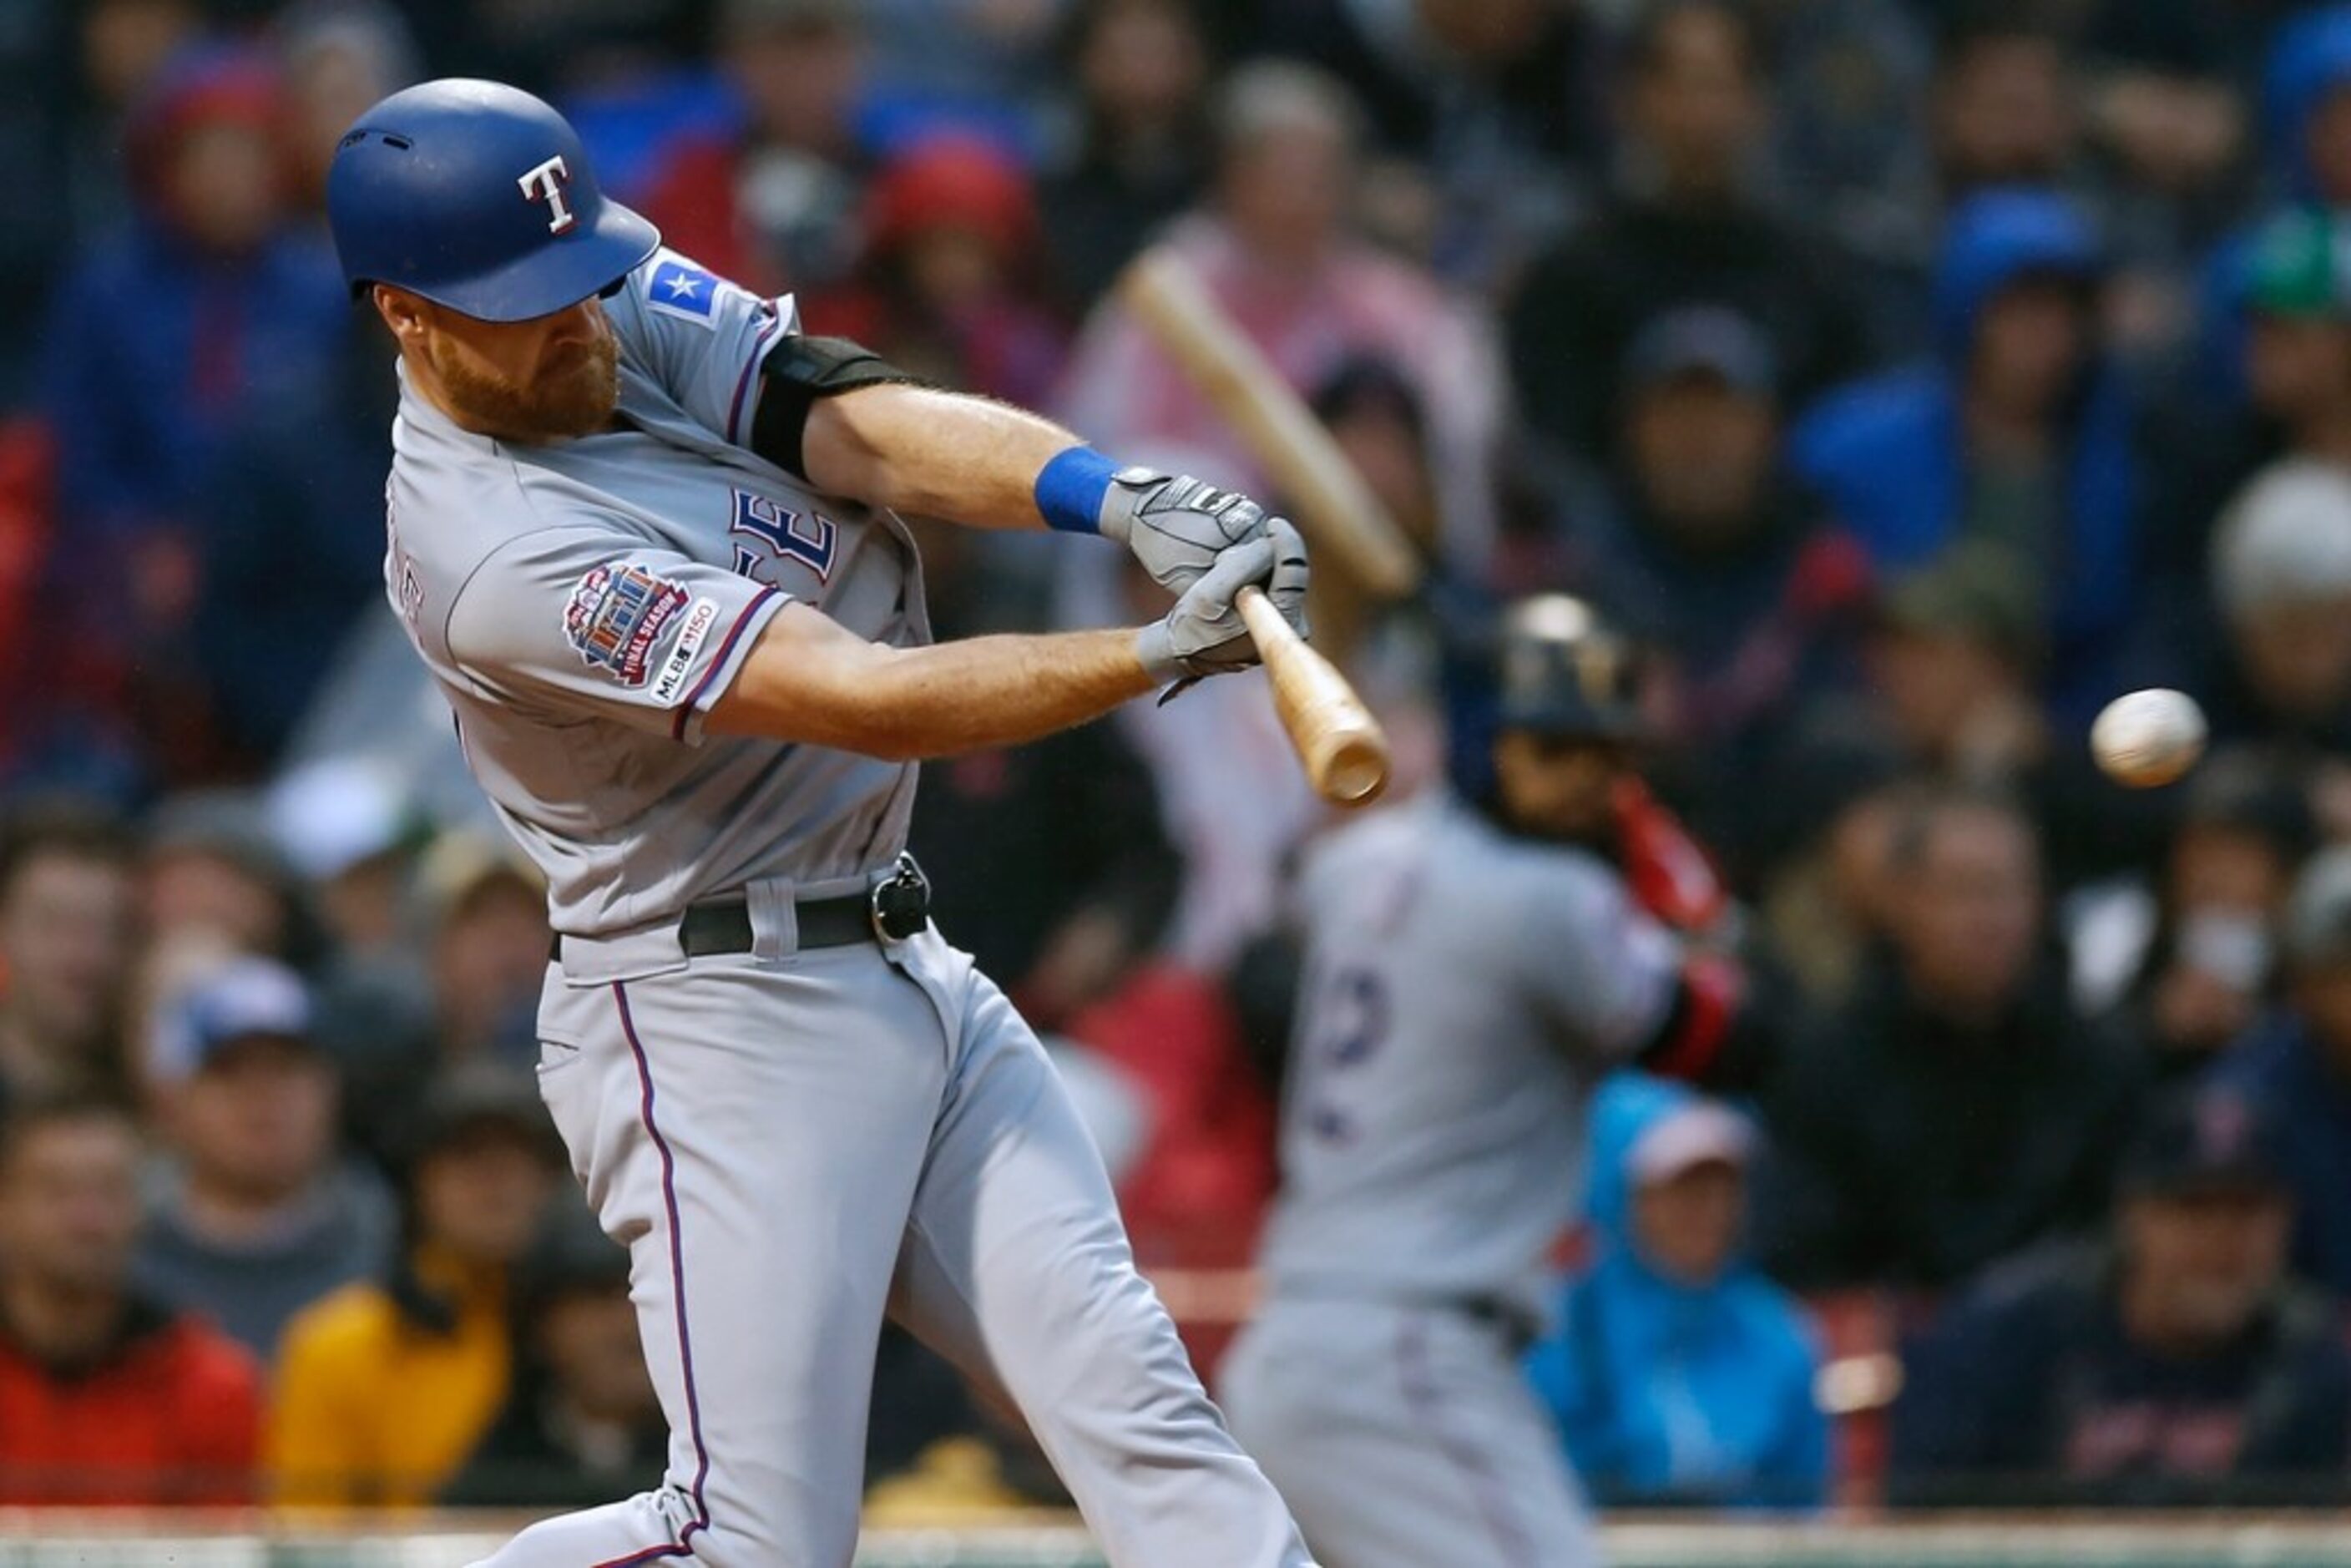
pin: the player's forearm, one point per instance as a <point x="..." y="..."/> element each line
<point x="933" y="453"/>
<point x="906" y="704"/>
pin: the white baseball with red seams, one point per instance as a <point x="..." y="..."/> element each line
<point x="2148" y="738"/>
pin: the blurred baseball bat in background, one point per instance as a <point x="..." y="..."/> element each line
<point x="1342" y="519"/>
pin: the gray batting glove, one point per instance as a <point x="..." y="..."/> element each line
<point x="1204" y="634"/>
<point x="1287" y="587"/>
<point x="1174" y="525"/>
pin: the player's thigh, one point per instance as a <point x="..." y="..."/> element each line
<point x="1013" y="1242"/>
<point x="1401" y="1436"/>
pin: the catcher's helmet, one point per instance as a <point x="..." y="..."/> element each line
<point x="1559" y="669"/>
<point x="479" y="197"/>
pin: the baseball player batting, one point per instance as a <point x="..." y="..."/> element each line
<point x="1475" y="964"/>
<point x="643" y="530"/>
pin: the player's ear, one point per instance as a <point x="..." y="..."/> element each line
<point x="401" y="312"/>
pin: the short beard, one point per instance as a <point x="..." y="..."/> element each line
<point x="575" y="401"/>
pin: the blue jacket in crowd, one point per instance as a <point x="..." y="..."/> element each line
<point x="2282" y="1066"/>
<point x="1889" y="451"/>
<point x="1666" y="1393"/>
<point x="153" y="352"/>
<point x="2309" y="61"/>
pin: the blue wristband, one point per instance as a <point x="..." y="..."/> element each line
<point x="1069" y="490"/>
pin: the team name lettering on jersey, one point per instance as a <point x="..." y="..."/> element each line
<point x="616" y="614"/>
<point x="545" y="183"/>
<point x="811" y="541"/>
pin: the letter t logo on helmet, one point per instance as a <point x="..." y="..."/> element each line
<point x="545" y="183"/>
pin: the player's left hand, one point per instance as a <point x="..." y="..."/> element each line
<point x="1176" y="525"/>
<point x="1204" y="633"/>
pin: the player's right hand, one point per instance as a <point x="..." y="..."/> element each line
<point x="1176" y="525"/>
<point x="1204" y="634"/>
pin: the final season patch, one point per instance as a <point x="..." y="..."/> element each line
<point x="616" y="615"/>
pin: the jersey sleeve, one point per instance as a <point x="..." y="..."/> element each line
<point x="1605" y="973"/>
<point x="595" y="624"/>
<point x="700" y="337"/>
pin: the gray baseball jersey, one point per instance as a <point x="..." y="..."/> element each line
<point x="583" y="602"/>
<point x="790" y="1141"/>
<point x="1464" y="991"/>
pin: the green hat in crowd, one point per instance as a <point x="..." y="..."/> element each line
<point x="2301" y="265"/>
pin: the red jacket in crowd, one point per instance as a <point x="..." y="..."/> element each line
<point x="168" y="1416"/>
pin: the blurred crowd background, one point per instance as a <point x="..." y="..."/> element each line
<point x="1908" y="376"/>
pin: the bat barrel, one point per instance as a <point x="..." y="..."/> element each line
<point x="1340" y="744"/>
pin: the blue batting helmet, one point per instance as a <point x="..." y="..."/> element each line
<point x="479" y="197"/>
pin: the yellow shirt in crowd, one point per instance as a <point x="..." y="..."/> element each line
<point x="374" y="1409"/>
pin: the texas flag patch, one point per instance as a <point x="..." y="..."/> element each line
<point x="616" y="614"/>
<point x="678" y="288"/>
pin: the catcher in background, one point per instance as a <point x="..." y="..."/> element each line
<point x="1475" y="962"/>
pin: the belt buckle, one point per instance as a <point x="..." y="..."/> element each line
<point x="902" y="902"/>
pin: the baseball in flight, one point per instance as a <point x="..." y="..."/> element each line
<point x="2150" y="738"/>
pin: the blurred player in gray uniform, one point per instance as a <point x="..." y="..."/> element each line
<point x="642" y="529"/>
<point x="1473" y="968"/>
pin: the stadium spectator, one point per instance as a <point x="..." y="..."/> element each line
<point x="489" y="948"/>
<point x="1848" y="77"/>
<point x="108" y="1397"/>
<point x="118" y="49"/>
<point x="581" y="1424"/>
<point x="2004" y="100"/>
<point x="2305" y="111"/>
<point x="1994" y="1109"/>
<point x="1140" y="155"/>
<point x="1273" y="245"/>
<point x="2280" y="578"/>
<point x="2295" y="355"/>
<point x="2178" y="1364"/>
<point x="1819" y="853"/>
<point x="1708" y="554"/>
<point x="210" y="866"/>
<point x="1686" y="226"/>
<point x="161" y="338"/>
<point x="479" y="914"/>
<point x="774" y="206"/>
<point x="256" y="1216"/>
<point x="949" y="282"/>
<point x="1951" y="660"/>
<point x="2166" y="119"/>
<point x="2307" y="106"/>
<point x="2298" y="1062"/>
<point x="292" y="518"/>
<point x="67" y="925"/>
<point x="2018" y="433"/>
<point x="2188" y="955"/>
<point x="338" y="57"/>
<point x="385" y="1386"/>
<point x="1487" y="115"/>
<point x="1678" y="1374"/>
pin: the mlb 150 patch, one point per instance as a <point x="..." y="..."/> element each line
<point x="678" y="288"/>
<point x="616" y="614"/>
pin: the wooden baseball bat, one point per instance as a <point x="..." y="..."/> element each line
<point x="1339" y="744"/>
<point x="1338" y="513"/>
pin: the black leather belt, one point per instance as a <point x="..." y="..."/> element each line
<point x="892" y="910"/>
